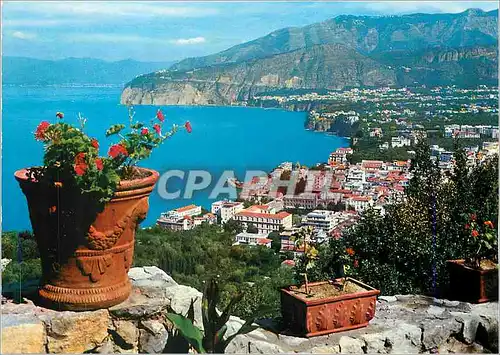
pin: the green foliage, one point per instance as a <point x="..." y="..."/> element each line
<point x="232" y="226"/>
<point x="20" y="272"/>
<point x="212" y="339"/>
<point x="24" y="269"/>
<point x="20" y="246"/>
<point x="263" y="296"/>
<point x="276" y="241"/>
<point x="207" y="251"/>
<point x="251" y="228"/>
<point x="117" y="128"/>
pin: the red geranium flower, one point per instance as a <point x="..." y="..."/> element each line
<point x="350" y="251"/>
<point x="157" y="128"/>
<point x="98" y="163"/>
<point x="80" y="169"/>
<point x="94" y="143"/>
<point x="475" y="233"/>
<point x="473" y="217"/>
<point x="80" y="158"/>
<point x="116" y="150"/>
<point x="489" y="224"/>
<point x="467" y="226"/>
<point x="144" y="131"/>
<point x="188" y="127"/>
<point x="356" y="263"/>
<point x="159" y="115"/>
<point x="40" y="130"/>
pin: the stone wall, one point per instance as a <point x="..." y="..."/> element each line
<point x="402" y="324"/>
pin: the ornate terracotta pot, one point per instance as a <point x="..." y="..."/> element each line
<point x="86" y="251"/>
<point x="472" y="285"/>
<point x="328" y="315"/>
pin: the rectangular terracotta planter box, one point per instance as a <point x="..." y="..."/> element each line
<point x="471" y="285"/>
<point x="328" y="315"/>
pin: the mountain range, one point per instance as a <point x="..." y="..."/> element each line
<point x="31" y="71"/>
<point x="345" y="51"/>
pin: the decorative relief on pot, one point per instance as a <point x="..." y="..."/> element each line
<point x="370" y="312"/>
<point x="323" y="317"/>
<point x="104" y="240"/>
<point x="95" y="266"/>
<point x="339" y="318"/>
<point x="356" y="312"/>
<point x="127" y="257"/>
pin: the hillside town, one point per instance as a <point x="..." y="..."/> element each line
<point x="332" y="197"/>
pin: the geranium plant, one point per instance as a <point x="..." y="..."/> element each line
<point x="302" y="239"/>
<point x="483" y="241"/>
<point x="72" y="158"/>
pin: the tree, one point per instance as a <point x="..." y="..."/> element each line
<point x="336" y="206"/>
<point x="251" y="228"/>
<point x="276" y="241"/>
<point x="233" y="226"/>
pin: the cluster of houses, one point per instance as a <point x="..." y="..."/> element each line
<point x="185" y="218"/>
<point x="332" y="201"/>
<point x="468" y="131"/>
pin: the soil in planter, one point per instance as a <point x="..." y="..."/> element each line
<point x="487" y="265"/>
<point x="327" y="290"/>
<point x="134" y="174"/>
<point x="484" y="265"/>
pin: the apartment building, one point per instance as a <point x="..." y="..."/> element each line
<point x="265" y="222"/>
<point x="359" y="203"/>
<point x="245" y="238"/>
<point x="303" y="200"/>
<point x="319" y="219"/>
<point x="190" y="210"/>
<point x="226" y="209"/>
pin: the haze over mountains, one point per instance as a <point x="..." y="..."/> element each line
<point x="346" y="51"/>
<point x="75" y="71"/>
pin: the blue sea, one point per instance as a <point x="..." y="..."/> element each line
<point x="223" y="138"/>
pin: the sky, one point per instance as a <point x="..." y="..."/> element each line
<point x="167" y="31"/>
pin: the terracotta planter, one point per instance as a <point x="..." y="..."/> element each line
<point x="85" y="254"/>
<point x="328" y="315"/>
<point x="471" y="285"/>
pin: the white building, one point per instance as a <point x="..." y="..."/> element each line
<point x="398" y="142"/>
<point x="209" y="218"/>
<point x="177" y="224"/>
<point x="226" y="209"/>
<point x="191" y="210"/>
<point x="319" y="219"/>
<point x="252" y="239"/>
<point x="265" y="222"/>
<point x="359" y="202"/>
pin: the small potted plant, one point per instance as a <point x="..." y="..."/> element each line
<point x="324" y="307"/>
<point x="475" y="278"/>
<point x="84" y="209"/>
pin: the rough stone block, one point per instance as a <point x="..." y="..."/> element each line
<point x="77" y="332"/>
<point x="22" y="334"/>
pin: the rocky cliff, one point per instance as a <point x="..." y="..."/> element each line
<point x="347" y="51"/>
<point x="366" y="34"/>
<point x="402" y="324"/>
<point x="332" y="66"/>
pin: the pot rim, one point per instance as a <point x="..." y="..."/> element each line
<point x="371" y="291"/>
<point x="123" y="185"/>
<point x="461" y="263"/>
